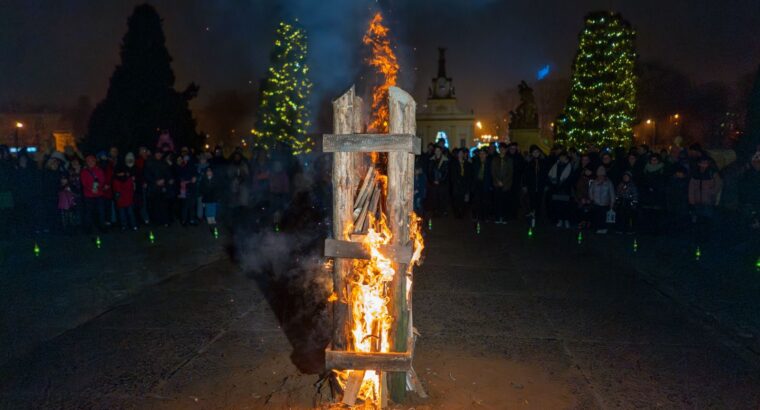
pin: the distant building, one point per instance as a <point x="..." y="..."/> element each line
<point x="439" y="117"/>
<point x="37" y="129"/>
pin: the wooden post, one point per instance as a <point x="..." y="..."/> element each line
<point x="400" y="204"/>
<point x="347" y="114"/>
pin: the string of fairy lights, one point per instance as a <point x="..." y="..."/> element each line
<point x="601" y="108"/>
<point x="283" y="110"/>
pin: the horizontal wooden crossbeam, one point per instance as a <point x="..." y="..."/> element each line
<point x="386" y="362"/>
<point x="372" y="143"/>
<point x="335" y="248"/>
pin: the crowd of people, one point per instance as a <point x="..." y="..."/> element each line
<point x="70" y="192"/>
<point x="622" y="190"/>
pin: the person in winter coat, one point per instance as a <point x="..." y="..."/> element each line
<point x="211" y="191"/>
<point x="704" y="188"/>
<point x="502" y="171"/>
<point x="461" y="183"/>
<point x="157" y="175"/>
<point x="438" y="177"/>
<point x="123" y="194"/>
<point x="518" y="167"/>
<point x="481" y="186"/>
<point x="627" y="196"/>
<point x="677" y="199"/>
<point x="92" y="179"/>
<point x="602" y="194"/>
<point x="186" y="184"/>
<point x="560" y="189"/>
<point x="534" y="181"/>
<point x="583" y="198"/>
<point x="67" y="204"/>
<point x="749" y="191"/>
<point x="107" y="165"/>
<point x="420" y="188"/>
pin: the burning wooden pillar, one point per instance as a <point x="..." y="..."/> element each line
<point x="357" y="190"/>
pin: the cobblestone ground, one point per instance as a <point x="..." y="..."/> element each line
<point x="507" y="321"/>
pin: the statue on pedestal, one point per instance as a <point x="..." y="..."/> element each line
<point x="525" y="115"/>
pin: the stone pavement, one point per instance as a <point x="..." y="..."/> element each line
<point x="507" y="322"/>
<point x="73" y="281"/>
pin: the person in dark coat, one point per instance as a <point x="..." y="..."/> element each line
<point x="518" y="167"/>
<point x="560" y="189"/>
<point x="157" y="175"/>
<point x="461" y="183"/>
<point x="677" y="199"/>
<point x="502" y="173"/>
<point x="481" y="186"/>
<point x="534" y="181"/>
<point x="749" y="191"/>
<point x="211" y="190"/>
<point x="438" y="177"/>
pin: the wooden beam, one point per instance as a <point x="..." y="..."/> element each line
<point x="387" y="362"/>
<point x="345" y="179"/>
<point x="400" y="205"/>
<point x="335" y="248"/>
<point x="408" y="143"/>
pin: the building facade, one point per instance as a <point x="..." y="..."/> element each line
<point x="440" y="118"/>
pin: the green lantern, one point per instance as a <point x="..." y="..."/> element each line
<point x="36" y="249"/>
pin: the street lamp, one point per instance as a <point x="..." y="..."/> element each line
<point x="19" y="126"/>
<point x="654" y="130"/>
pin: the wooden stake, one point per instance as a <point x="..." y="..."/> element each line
<point x="399" y="208"/>
<point x="347" y="120"/>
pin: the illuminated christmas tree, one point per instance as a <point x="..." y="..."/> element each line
<point x="283" y="113"/>
<point x="601" y="107"/>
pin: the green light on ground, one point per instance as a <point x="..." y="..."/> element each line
<point x="36" y="249"/>
<point x="151" y="237"/>
<point x="580" y="238"/>
<point x="477" y="228"/>
<point x="216" y="232"/>
<point x="530" y="232"/>
<point x="635" y="245"/>
<point x="697" y="253"/>
<point x="98" y="242"/>
<point x="277" y="227"/>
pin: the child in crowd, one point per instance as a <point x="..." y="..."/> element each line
<point x="210" y="196"/>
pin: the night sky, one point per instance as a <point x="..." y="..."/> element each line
<point x="54" y="51"/>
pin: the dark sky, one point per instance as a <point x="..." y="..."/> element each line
<point x="53" y="51"/>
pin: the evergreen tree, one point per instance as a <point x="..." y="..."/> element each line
<point x="602" y="104"/>
<point x="749" y="142"/>
<point x="283" y="114"/>
<point x="141" y="100"/>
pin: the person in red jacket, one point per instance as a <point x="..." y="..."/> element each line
<point x="123" y="186"/>
<point x="92" y="179"/>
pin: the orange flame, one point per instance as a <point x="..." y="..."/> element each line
<point x="384" y="60"/>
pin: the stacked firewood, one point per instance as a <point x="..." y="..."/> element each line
<point x="368" y="201"/>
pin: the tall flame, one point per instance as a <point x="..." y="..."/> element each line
<point x="383" y="59"/>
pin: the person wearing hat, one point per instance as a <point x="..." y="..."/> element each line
<point x="704" y="189"/>
<point x="602" y="194"/>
